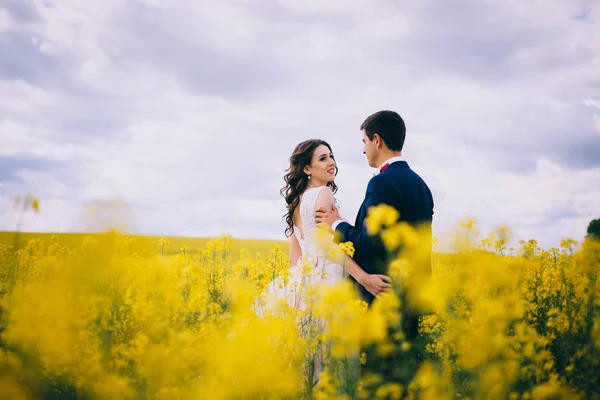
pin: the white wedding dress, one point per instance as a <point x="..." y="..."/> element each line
<point x="312" y="268"/>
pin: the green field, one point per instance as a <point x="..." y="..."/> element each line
<point x="145" y="245"/>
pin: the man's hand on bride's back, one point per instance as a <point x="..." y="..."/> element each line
<point x="377" y="284"/>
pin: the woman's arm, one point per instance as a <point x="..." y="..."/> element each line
<point x="374" y="283"/>
<point x="295" y="251"/>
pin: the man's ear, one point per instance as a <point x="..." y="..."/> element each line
<point x="377" y="140"/>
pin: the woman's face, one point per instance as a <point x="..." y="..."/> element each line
<point x="322" y="167"/>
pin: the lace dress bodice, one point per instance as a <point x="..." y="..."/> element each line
<point x="314" y="254"/>
<point x="306" y="235"/>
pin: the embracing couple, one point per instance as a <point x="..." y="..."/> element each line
<point x="311" y="205"/>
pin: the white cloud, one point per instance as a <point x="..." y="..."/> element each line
<point x="188" y="112"/>
<point x="592" y="103"/>
<point x="6" y="22"/>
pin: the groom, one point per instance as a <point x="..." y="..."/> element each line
<point x="383" y="135"/>
<point x="400" y="187"/>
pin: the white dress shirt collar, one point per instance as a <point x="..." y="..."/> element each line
<point x="389" y="161"/>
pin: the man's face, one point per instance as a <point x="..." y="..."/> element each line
<point x="369" y="149"/>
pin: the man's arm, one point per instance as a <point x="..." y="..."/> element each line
<point x="373" y="283"/>
<point x="377" y="193"/>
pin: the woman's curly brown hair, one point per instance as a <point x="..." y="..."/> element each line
<point x="296" y="179"/>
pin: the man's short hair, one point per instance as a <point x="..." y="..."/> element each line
<point x="389" y="126"/>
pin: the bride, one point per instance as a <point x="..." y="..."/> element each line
<point x="309" y="186"/>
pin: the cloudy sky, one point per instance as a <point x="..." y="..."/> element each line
<point x="183" y="113"/>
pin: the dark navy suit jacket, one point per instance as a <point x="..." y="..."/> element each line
<point x="397" y="186"/>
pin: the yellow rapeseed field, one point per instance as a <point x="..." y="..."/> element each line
<point x="110" y="316"/>
<point x="146" y="245"/>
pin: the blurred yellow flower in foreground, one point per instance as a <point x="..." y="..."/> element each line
<point x="380" y="217"/>
<point x="26" y="202"/>
<point x="94" y="319"/>
<point x="348" y="248"/>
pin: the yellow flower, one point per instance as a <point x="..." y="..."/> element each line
<point x="379" y="217"/>
<point x="117" y="324"/>
<point x="17" y="201"/>
<point x="389" y="391"/>
<point x="348" y="248"/>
